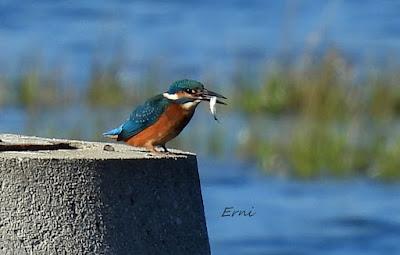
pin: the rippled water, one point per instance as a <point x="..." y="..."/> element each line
<point x="316" y="217"/>
<point x="192" y="37"/>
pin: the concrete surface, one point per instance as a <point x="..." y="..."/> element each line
<point x="79" y="197"/>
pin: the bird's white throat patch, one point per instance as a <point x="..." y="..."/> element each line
<point x="170" y="96"/>
<point x="186" y="106"/>
<point x="190" y="105"/>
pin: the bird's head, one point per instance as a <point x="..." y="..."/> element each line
<point x="190" y="93"/>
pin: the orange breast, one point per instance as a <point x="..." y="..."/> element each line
<point x="167" y="127"/>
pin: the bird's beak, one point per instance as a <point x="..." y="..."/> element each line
<point x="206" y="95"/>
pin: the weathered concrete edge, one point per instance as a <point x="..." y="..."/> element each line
<point x="84" y="149"/>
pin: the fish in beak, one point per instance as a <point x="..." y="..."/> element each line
<point x="213" y="98"/>
<point x="207" y="95"/>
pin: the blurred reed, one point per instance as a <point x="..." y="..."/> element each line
<point x="329" y="119"/>
<point x="341" y="125"/>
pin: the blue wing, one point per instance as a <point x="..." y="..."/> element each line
<point x="142" y="117"/>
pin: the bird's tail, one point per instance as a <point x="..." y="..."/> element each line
<point x="114" y="133"/>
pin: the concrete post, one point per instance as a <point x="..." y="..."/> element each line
<point x="74" y="197"/>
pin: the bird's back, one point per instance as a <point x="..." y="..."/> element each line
<point x="142" y="117"/>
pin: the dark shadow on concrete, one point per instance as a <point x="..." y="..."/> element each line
<point x="36" y="147"/>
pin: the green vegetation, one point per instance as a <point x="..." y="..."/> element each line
<point x="317" y="118"/>
<point x="326" y="90"/>
<point x="340" y="125"/>
<point x="105" y="88"/>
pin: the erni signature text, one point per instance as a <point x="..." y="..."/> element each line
<point x="232" y="212"/>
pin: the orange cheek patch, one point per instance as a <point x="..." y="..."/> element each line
<point x="183" y="94"/>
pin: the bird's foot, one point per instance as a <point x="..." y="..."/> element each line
<point x="157" y="150"/>
<point x="165" y="149"/>
<point x="154" y="151"/>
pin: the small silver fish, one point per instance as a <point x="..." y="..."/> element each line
<point x="213" y="108"/>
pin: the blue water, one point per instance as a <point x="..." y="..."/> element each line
<point x="202" y="39"/>
<point x="317" y="217"/>
<point x="196" y="38"/>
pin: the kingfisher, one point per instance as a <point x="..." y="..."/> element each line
<point x="162" y="117"/>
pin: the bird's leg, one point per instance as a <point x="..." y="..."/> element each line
<point x="151" y="148"/>
<point x="165" y="148"/>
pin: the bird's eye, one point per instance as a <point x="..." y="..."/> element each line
<point x="188" y="91"/>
